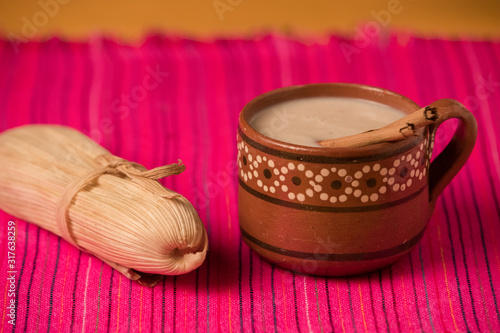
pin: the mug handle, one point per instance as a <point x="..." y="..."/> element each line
<point x="447" y="164"/>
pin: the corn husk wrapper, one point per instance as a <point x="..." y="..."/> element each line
<point x="62" y="181"/>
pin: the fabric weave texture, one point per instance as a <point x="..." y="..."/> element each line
<point x="173" y="98"/>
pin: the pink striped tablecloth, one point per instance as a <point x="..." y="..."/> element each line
<point x="174" y="98"/>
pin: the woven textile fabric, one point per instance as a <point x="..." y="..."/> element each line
<point x="172" y="98"/>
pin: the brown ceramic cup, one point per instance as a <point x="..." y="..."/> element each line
<point x="341" y="211"/>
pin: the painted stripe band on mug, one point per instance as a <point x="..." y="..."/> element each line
<point x="337" y="256"/>
<point x="329" y="209"/>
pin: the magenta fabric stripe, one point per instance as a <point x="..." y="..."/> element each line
<point x="174" y="98"/>
<point x="488" y="326"/>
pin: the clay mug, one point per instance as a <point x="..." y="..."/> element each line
<point x="342" y="211"/>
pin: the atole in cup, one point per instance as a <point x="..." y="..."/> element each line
<point x="343" y="210"/>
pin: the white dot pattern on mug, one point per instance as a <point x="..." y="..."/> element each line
<point x="362" y="183"/>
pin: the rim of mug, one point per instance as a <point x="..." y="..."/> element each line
<point x="353" y="90"/>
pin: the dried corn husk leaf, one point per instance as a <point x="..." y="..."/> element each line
<point x="62" y="181"/>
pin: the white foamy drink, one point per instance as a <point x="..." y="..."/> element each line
<point x="309" y="120"/>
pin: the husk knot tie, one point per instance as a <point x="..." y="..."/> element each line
<point x="114" y="165"/>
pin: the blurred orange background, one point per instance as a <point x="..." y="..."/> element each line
<point x="131" y="20"/>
